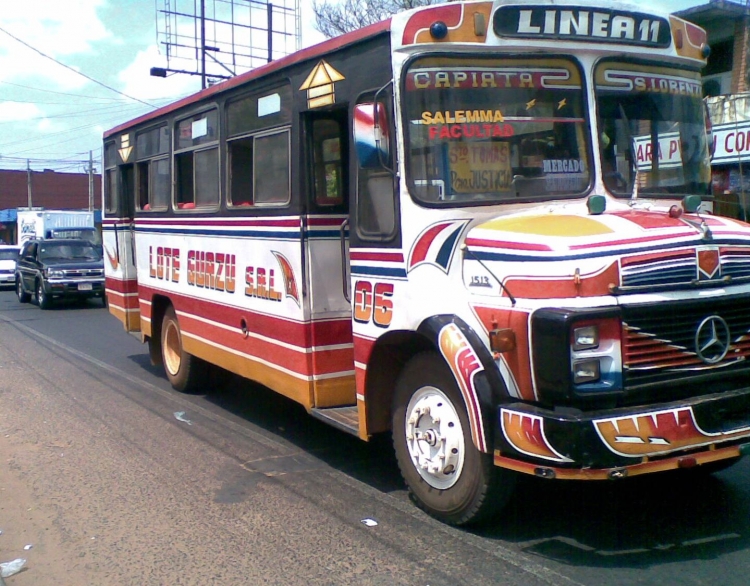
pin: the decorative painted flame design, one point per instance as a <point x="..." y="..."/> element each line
<point x="658" y="433"/>
<point x="525" y="433"/>
<point x="464" y="363"/>
<point x="112" y="259"/>
<point x="290" y="283"/>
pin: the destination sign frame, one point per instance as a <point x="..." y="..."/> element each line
<point x="581" y="23"/>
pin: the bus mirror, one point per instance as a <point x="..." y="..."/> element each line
<point x="371" y="135"/>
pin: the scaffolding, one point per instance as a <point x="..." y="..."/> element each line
<point x="218" y="39"/>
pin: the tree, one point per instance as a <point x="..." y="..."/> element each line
<point x="333" y="18"/>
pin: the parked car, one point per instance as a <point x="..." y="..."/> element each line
<point x="57" y="269"/>
<point x="8" y="256"/>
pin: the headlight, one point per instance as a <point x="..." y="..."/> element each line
<point x="576" y="353"/>
<point x="54" y="274"/>
<point x="585" y="338"/>
<point x="586" y="371"/>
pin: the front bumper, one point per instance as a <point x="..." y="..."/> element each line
<point x="624" y="441"/>
<point x="7" y="277"/>
<point x="74" y="287"/>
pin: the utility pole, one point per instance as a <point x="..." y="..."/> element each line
<point x="91" y="181"/>
<point x="28" y="183"/>
<point x="203" y="44"/>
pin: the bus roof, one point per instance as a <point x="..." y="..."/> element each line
<point x="297" y="57"/>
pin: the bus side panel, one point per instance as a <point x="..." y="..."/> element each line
<point x="235" y="289"/>
<point x="332" y="360"/>
<point x="121" y="285"/>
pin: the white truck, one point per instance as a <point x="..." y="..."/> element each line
<point x="41" y="223"/>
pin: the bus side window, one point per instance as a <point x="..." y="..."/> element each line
<point x="259" y="170"/>
<point x="152" y="180"/>
<point x="258" y="148"/>
<point x="241" y="172"/>
<point x="376" y="195"/>
<point x="196" y="162"/>
<point x="110" y="178"/>
<point x="142" y="180"/>
<point x="271" y="165"/>
<point x="110" y="191"/>
<point x="328" y="161"/>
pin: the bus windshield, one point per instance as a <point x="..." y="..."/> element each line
<point x="482" y="131"/>
<point x="651" y="119"/>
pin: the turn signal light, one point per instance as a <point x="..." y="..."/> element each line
<point x="503" y="340"/>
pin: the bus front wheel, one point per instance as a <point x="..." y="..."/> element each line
<point x="447" y="476"/>
<point x="185" y="372"/>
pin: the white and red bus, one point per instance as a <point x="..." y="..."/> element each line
<point x="479" y="226"/>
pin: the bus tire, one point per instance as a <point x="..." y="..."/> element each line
<point x="186" y="373"/>
<point x="23" y="297"/>
<point x="429" y="420"/>
<point x="154" y="350"/>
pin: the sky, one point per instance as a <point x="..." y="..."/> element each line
<point x="71" y="69"/>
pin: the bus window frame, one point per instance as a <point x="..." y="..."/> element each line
<point x="205" y="146"/>
<point x="149" y="160"/>
<point x="254" y="136"/>
<point x="644" y="62"/>
<point x="111" y="193"/>
<point x="354" y="210"/>
<point x="573" y="59"/>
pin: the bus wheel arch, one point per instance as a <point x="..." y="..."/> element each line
<point x="390" y="354"/>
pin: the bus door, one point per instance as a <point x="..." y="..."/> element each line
<point x="326" y="257"/>
<point x="118" y="237"/>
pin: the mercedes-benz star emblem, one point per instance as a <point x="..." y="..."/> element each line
<point x="712" y="339"/>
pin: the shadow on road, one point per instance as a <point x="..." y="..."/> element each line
<point x="632" y="523"/>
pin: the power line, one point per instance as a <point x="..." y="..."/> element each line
<point x="38" y="89"/>
<point x="96" y="81"/>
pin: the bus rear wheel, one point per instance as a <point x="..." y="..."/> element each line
<point x="447" y="476"/>
<point x="186" y="373"/>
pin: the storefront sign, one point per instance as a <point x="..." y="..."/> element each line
<point x="731" y="142"/>
<point x="669" y="151"/>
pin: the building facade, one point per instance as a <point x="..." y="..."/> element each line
<point x="47" y="189"/>
<point x="726" y="85"/>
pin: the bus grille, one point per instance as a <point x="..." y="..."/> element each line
<point x="682" y="269"/>
<point x="659" y="340"/>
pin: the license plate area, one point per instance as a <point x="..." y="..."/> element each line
<point x="85" y="286"/>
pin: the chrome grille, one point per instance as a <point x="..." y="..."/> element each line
<point x="679" y="268"/>
<point x="659" y="340"/>
<point x="735" y="264"/>
<point x="83" y="273"/>
<point x="659" y="273"/>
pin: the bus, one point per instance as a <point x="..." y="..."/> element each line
<point x="481" y="227"/>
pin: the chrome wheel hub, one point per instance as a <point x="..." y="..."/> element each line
<point x="434" y="437"/>
<point x="172" y="350"/>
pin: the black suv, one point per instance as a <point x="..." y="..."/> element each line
<point x="59" y="269"/>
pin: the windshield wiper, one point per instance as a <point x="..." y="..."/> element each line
<point x="633" y="155"/>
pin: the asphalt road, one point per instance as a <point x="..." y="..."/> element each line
<point x="254" y="491"/>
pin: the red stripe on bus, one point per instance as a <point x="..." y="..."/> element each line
<point x="377" y="256"/>
<point x="323" y="332"/>
<point x="121" y="285"/>
<point x="319" y="363"/>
